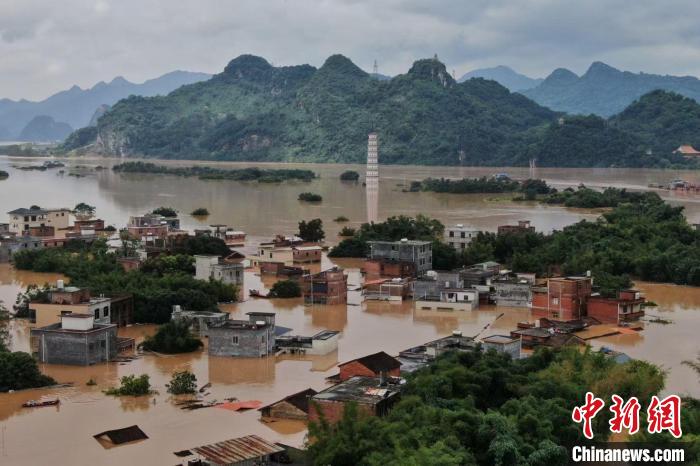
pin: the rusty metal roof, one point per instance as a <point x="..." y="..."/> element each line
<point x="236" y="450"/>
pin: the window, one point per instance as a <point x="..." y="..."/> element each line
<point x="463" y="235"/>
<point x="103" y="344"/>
<point x="262" y="338"/>
<point x="555" y="300"/>
<point x="452" y="234"/>
<point x="97" y="313"/>
<point x="105" y="312"/>
<point x="234" y="339"/>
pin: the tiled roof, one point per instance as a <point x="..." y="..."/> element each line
<point x="377" y="362"/>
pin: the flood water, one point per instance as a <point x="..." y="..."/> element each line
<point x="63" y="435"/>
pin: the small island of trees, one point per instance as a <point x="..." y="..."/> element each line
<point x="4" y="175"/>
<point x="350" y="175"/>
<point x="200" y="212"/>
<point x="310" y="197"/>
<point x="165" y="211"/>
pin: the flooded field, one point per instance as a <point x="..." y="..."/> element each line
<point x="63" y="435"/>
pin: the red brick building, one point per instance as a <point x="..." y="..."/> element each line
<point x="372" y="396"/>
<point x="523" y="226"/>
<point x="626" y="307"/>
<point x="563" y="298"/>
<point x="327" y="287"/>
<point x="373" y="365"/>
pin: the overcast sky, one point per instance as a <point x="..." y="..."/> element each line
<point x="47" y="46"/>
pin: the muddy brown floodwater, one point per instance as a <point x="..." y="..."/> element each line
<point x="63" y="435"/>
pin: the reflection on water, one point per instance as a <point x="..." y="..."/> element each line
<point x="63" y="435"/>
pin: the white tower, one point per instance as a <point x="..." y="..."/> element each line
<point x="372" y="156"/>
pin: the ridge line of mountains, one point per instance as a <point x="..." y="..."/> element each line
<point x="253" y="111"/>
<point x="55" y="117"/>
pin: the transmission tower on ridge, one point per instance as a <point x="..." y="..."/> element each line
<point x="375" y="68"/>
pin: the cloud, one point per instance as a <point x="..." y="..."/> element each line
<point x="48" y="46"/>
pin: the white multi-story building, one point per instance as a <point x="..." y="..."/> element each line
<point x="459" y="236"/>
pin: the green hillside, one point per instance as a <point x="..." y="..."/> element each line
<point x="253" y="111"/>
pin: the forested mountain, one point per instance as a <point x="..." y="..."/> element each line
<point x="43" y="128"/>
<point x="505" y="76"/>
<point x="77" y="106"/>
<point x="254" y="111"/>
<point x="604" y="90"/>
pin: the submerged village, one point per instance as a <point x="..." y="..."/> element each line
<point x="73" y="324"/>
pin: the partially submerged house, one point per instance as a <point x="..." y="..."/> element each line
<point x="373" y="396"/>
<point x="250" y="450"/>
<point x="502" y="344"/>
<point x="420" y="253"/>
<point x="321" y="343"/>
<point x="523" y="226"/>
<point x="228" y="271"/>
<point x="294" y="406"/>
<point x="563" y="298"/>
<point x="388" y="289"/>
<point x="120" y="436"/>
<point x="244" y="338"/>
<point x="627" y="306"/>
<point x="418" y="356"/>
<point x="76" y="340"/>
<point x="64" y="299"/>
<point x="513" y="290"/>
<point x="538" y="336"/>
<point x="199" y="321"/>
<point x="448" y="299"/>
<point x="373" y="365"/>
<point x="327" y="287"/>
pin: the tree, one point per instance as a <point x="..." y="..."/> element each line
<point x="19" y="370"/>
<point x="182" y="382"/>
<point x="84" y="210"/>
<point x="172" y="337"/>
<point x="165" y="211"/>
<point x="349" y="175"/>
<point x="285" y="289"/>
<point x="131" y="385"/>
<point x="4" y="333"/>
<point x="350" y="247"/>
<point x="203" y="244"/>
<point x="310" y="197"/>
<point x="312" y="230"/>
<point x="200" y="212"/>
<point x="444" y="256"/>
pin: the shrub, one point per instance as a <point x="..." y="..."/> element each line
<point x="347" y="231"/>
<point x="165" y="211"/>
<point x="350" y="175"/>
<point x="132" y="385"/>
<point x="183" y="382"/>
<point x="4" y="175"/>
<point x="341" y="218"/>
<point x="310" y="197"/>
<point x="285" y="289"/>
<point x="200" y="212"/>
<point x="172" y="337"/>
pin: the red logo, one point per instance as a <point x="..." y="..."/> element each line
<point x="665" y="415"/>
<point x="587" y="412"/>
<point x="661" y="415"/>
<point x="625" y="415"/>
